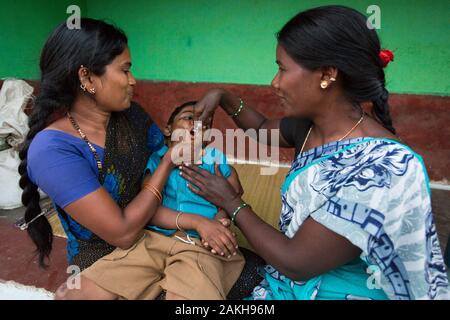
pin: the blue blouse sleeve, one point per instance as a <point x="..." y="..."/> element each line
<point x="152" y="163"/>
<point x="61" y="171"/>
<point x="155" y="138"/>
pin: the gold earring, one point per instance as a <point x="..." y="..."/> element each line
<point x="332" y="79"/>
<point x="83" y="87"/>
<point x="92" y="90"/>
<point x="324" y="84"/>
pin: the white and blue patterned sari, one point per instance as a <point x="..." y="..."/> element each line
<point x="375" y="193"/>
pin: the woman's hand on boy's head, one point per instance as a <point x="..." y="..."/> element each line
<point x="208" y="104"/>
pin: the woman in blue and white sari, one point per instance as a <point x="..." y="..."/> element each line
<point x="375" y="193"/>
<point x="356" y="219"/>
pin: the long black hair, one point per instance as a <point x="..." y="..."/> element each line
<point x="338" y="36"/>
<point x="94" y="46"/>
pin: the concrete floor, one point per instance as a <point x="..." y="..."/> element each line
<point x="18" y="261"/>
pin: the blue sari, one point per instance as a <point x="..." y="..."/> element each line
<point x="375" y="193"/>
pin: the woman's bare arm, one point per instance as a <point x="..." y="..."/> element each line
<point x="248" y="118"/>
<point x="313" y="250"/>
<point x="99" y="213"/>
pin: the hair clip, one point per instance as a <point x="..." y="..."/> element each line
<point x="25" y="225"/>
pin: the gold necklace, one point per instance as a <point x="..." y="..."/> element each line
<point x="345" y="136"/>
<point x="84" y="137"/>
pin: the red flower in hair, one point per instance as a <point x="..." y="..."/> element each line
<point x="386" y="56"/>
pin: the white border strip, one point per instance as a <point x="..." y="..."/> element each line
<point x="439" y="186"/>
<point x="232" y="160"/>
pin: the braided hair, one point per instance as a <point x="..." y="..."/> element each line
<point x="94" y="46"/>
<point x="338" y="36"/>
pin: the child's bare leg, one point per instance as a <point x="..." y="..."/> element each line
<point x="88" y="290"/>
<point x="173" y="296"/>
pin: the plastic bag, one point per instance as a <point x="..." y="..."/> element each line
<point x="14" y="96"/>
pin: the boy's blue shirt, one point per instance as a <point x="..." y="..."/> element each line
<point x="177" y="195"/>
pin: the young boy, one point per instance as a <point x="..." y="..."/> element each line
<point x="170" y="256"/>
<point x="191" y="271"/>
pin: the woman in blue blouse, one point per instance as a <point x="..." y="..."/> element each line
<point x="87" y="148"/>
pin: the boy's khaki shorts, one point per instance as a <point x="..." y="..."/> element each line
<point x="157" y="262"/>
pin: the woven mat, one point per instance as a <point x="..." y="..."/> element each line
<point x="262" y="193"/>
<point x="56" y="226"/>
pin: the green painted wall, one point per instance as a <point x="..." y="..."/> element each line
<point x="24" y="27"/>
<point x="232" y="41"/>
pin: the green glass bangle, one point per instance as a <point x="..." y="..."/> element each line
<point x="237" y="210"/>
<point x="241" y="107"/>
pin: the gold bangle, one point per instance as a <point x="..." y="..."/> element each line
<point x="176" y="221"/>
<point x="155" y="194"/>
<point x="153" y="190"/>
